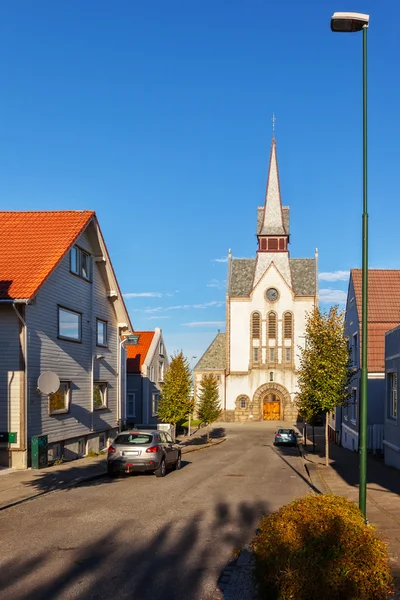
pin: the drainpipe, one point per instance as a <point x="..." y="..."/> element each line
<point x="119" y="403"/>
<point x="25" y="435"/>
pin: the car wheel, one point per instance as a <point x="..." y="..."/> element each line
<point x="178" y="463"/>
<point x="162" y="469"/>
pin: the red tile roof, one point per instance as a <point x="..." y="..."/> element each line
<point x="31" y="246"/>
<point x="383" y="310"/>
<point x="137" y="353"/>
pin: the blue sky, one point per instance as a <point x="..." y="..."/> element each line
<point x="157" y="114"/>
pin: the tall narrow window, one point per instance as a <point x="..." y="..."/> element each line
<point x="355" y="349"/>
<point x="271" y="376"/>
<point x="131" y="404"/>
<point x="393" y="395"/>
<point x="272" y="325"/>
<point x="256" y="355"/>
<point x="287" y="326"/>
<point x="256" y="326"/>
<point x="272" y="355"/>
<point x="288" y="355"/>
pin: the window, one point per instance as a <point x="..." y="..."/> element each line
<point x="151" y="376"/>
<point x="393" y="395"/>
<point x="102" y="441"/>
<point x="136" y="439"/>
<point x="272" y="355"/>
<point x="69" y="324"/>
<point x="273" y="244"/>
<point x="161" y="349"/>
<point x="131" y="404"/>
<point x="99" y="395"/>
<point x="161" y="371"/>
<point x="287" y="326"/>
<point x="154" y="405"/>
<point x="242" y="403"/>
<point x="288" y="355"/>
<point x="271" y="376"/>
<point x="101" y="333"/>
<point x="81" y="447"/>
<point x="59" y="401"/>
<point x="353" y="406"/>
<point x="256" y="326"/>
<point x="263" y="243"/>
<point x="81" y="263"/>
<point x="218" y="378"/>
<point x="256" y="354"/>
<point x="355" y="349"/>
<point x="272" y="325"/>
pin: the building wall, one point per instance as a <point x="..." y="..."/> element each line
<point x="72" y="361"/>
<point x="134" y="385"/>
<point x="246" y="378"/>
<point x="391" y="443"/>
<point x="11" y="382"/>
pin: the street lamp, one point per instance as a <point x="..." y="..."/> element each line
<point x="349" y="23"/>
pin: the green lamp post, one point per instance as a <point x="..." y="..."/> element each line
<point x="349" y="23"/>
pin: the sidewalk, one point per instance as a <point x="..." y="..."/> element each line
<point x="20" y="486"/>
<point x="341" y="478"/>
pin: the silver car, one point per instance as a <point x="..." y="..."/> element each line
<point x="142" y="451"/>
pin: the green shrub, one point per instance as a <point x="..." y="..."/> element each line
<point x="319" y="547"/>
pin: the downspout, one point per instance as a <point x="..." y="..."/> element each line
<point x="119" y="404"/>
<point x="25" y="436"/>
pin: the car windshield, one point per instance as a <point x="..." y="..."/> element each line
<point x="289" y="431"/>
<point x="133" y="438"/>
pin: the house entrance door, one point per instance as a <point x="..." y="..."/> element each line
<point x="271" y="408"/>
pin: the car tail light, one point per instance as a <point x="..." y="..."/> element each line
<point x="111" y="450"/>
<point x="153" y="449"/>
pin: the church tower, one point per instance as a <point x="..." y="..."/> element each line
<point x="268" y="297"/>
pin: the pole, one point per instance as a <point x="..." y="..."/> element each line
<point x="189" y="426"/>
<point x="364" y="333"/>
<point x="313" y="439"/>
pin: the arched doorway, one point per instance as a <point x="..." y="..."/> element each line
<point x="271" y="407"/>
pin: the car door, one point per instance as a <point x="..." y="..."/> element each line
<point x="165" y="445"/>
<point x="173" y="448"/>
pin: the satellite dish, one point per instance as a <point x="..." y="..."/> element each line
<point x="48" y="382"/>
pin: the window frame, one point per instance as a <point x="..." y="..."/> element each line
<point x="256" y="351"/>
<point x="104" y="395"/>
<point x="155" y="398"/>
<point x="272" y="317"/>
<point x="287" y="325"/>
<point x="65" y="337"/>
<point x="393" y="395"/>
<point x="79" y="253"/>
<point x="256" y="326"/>
<point x="288" y="349"/>
<point x="128" y="414"/>
<point x="271" y="354"/>
<point x="355" y="349"/>
<point x="67" y="400"/>
<point x="105" y="323"/>
<point x="241" y="399"/>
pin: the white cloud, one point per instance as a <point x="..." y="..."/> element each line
<point x="217" y="283"/>
<point x="220" y="260"/>
<point x="332" y="296"/>
<point x="153" y="310"/>
<point x="204" y="324"/>
<point x="159" y="317"/>
<point x="143" y="295"/>
<point x="215" y="303"/>
<point x="334" y="276"/>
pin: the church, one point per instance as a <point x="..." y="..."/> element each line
<point x="256" y="360"/>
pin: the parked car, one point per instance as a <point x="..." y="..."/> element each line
<point x="143" y="451"/>
<point x="285" y="436"/>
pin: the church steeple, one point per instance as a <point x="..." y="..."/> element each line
<point x="273" y="230"/>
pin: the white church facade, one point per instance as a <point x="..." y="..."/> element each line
<point x="268" y="297"/>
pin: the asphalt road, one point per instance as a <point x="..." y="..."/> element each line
<point x="139" y="537"/>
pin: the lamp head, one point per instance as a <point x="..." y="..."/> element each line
<point x="347" y="22"/>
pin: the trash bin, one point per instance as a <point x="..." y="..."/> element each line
<point x="39" y="451"/>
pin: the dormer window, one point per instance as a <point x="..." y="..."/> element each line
<point x="81" y="263"/>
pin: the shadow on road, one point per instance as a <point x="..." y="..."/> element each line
<point x="170" y="566"/>
<point x="281" y="451"/>
<point x="215" y="434"/>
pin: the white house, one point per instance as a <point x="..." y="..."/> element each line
<point x="267" y="300"/>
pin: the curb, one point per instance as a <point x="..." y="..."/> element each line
<point x="313" y="473"/>
<point x="239" y="570"/>
<point x="78" y="480"/>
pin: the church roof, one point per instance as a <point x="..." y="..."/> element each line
<point x="272" y="221"/>
<point x="214" y="358"/>
<point x="242" y="275"/>
<point x="260" y="218"/>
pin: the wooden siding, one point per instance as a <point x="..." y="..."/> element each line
<point x="70" y="360"/>
<point x="11" y="373"/>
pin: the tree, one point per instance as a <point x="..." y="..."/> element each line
<point x="175" y="401"/>
<point x="324" y="374"/>
<point x="209" y="408"/>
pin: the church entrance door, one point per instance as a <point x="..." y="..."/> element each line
<point x="271" y="408"/>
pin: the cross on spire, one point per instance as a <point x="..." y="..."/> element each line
<point x="273" y="126"/>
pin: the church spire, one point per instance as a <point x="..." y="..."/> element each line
<point x="272" y="233"/>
